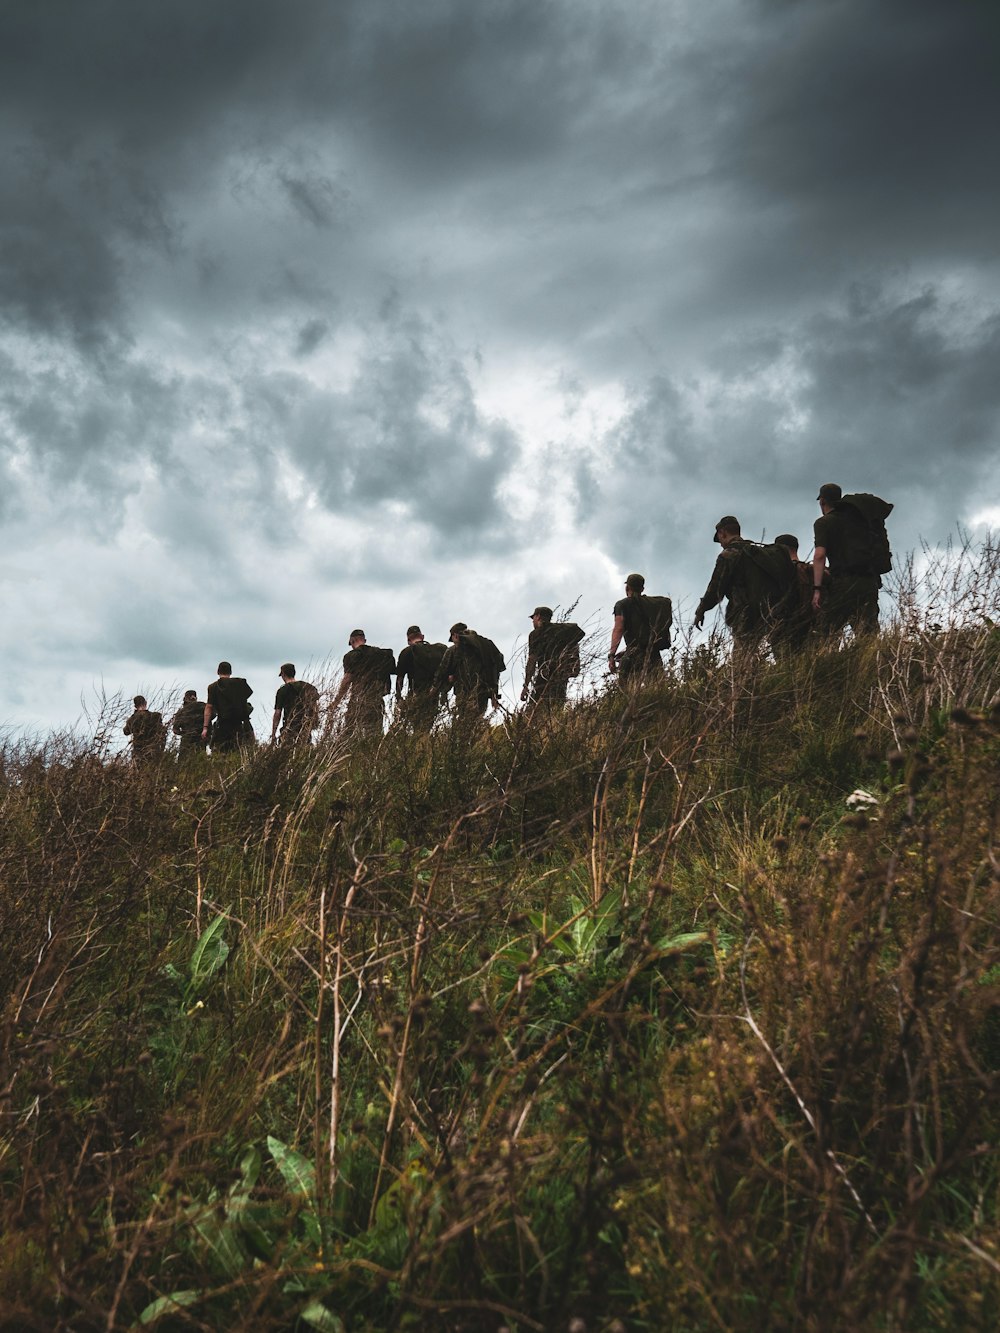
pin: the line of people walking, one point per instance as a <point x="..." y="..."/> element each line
<point x="769" y="594"/>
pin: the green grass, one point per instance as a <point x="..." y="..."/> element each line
<point x="623" y="1017"/>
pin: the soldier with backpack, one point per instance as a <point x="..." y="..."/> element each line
<point x="471" y="667"/>
<point x="754" y="578"/>
<point x="228" y="704"/>
<point x="418" y="663"/>
<point x="644" y="623"/>
<point x="553" y="657"/>
<point x="367" y="679"/>
<point x="851" y="539"/>
<point x="187" y="723"/>
<point x="298" y="702"/>
<point x="149" y="735"/>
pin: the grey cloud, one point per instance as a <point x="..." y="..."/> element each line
<point x="407" y="431"/>
<point x="886" y="392"/>
<point x="872" y="124"/>
<point x="311" y="335"/>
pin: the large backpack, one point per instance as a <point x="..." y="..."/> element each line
<point x="427" y="657"/>
<point x="559" y="649"/>
<point x="488" y="655"/>
<point x="232" y="701"/>
<point x="660" y="614"/>
<point x="772" y="561"/>
<point x="867" y="545"/>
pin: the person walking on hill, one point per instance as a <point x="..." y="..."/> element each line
<point x="644" y="640"/>
<point x="367" y="679"/>
<point x="149" y="735"/>
<point x="417" y="663"/>
<point x="298" y="703"/>
<point x="753" y="578"/>
<point x="850" y="538"/>
<point x="187" y="723"/>
<point x="228" y="706"/>
<point x="471" y="667"/>
<point x="553" y="658"/>
<point x="793" y="617"/>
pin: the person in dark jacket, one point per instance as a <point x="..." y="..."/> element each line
<point x="849" y="537"/>
<point x="149" y="735"/>
<point x="367" y="679"/>
<point x="187" y="723"/>
<point x="228" y="707"/>
<point x="471" y="667"/>
<point x="751" y="578"/>
<point x="553" y="658"/>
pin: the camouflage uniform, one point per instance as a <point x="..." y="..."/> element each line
<point x="229" y="696"/>
<point x="553" y="657"/>
<point x="752" y="593"/>
<point x="370" y="670"/>
<point x="470" y="667"/>
<point x="149" y="736"/>
<point x="187" y="723"/>
<point x="853" y="595"/>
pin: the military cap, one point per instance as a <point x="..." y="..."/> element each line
<point x="729" y="522"/>
<point x="413" y="629"/>
<point x="830" y="492"/>
<point x="458" y="627"/>
<point x="544" y="611"/>
<point x="786" y="539"/>
<point x="636" y="581"/>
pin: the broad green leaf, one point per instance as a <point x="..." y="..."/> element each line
<point x="210" y="952"/>
<point x="298" y="1172"/>
<point x="177" y="1300"/>
<point x="221" y="1240"/>
<point x="300" y="1176"/>
<point x="675" y="943"/>
<point x="318" y="1316"/>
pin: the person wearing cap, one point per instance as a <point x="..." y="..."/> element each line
<point x="367" y="679"/>
<point x="298" y="703"/>
<point x="187" y="723"/>
<point x="417" y="663"/>
<point x="794" y="618"/>
<point x="471" y="667"/>
<point x="149" y="735"/>
<point x="752" y="578"/>
<point x="840" y="536"/>
<point x="641" y="660"/>
<point x="228" y="705"/>
<point x="553" y="658"/>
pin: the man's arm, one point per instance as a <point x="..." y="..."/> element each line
<point x="529" y="672"/>
<point x="275" y="719"/>
<point x="819" y="569"/>
<point x="345" y="685"/>
<point x="616" y="637"/>
<point x="207" y="721"/>
<point x="718" y="587"/>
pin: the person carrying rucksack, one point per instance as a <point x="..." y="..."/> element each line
<point x="754" y="579"/>
<point x="851" y="539"/>
<point x="417" y="663"/>
<point x="228" y="703"/>
<point x="149" y="735"/>
<point x="553" y="658"/>
<point x="471" y="667"/>
<point x="367" y="679"/>
<point x="297" y="701"/>
<point x="644" y="623"/>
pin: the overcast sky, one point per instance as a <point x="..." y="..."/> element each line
<point x="327" y="313"/>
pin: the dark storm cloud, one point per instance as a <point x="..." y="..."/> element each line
<point x="874" y="125"/>
<point x="894" y="395"/>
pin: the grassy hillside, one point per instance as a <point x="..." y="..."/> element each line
<point x="623" y="1017"/>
